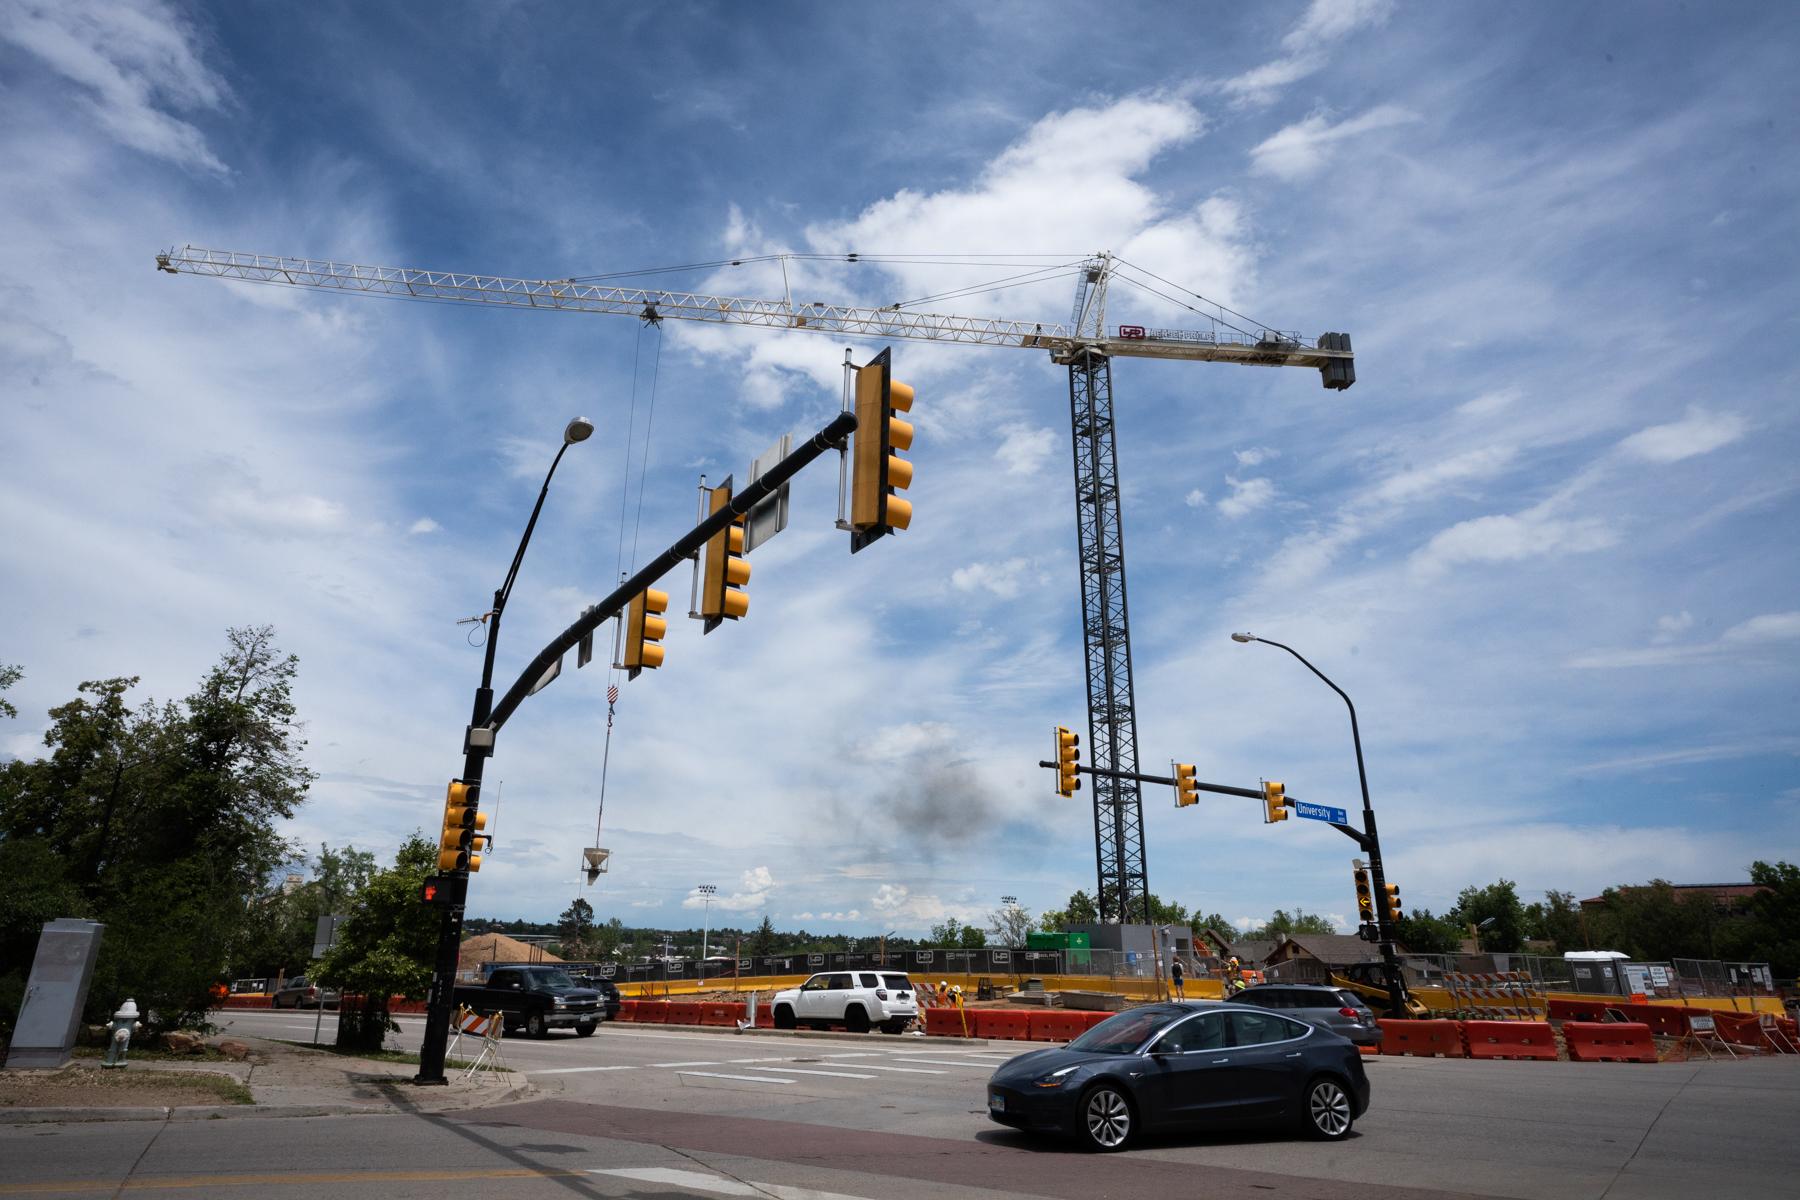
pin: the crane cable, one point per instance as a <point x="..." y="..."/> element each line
<point x="612" y="679"/>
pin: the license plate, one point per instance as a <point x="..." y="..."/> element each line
<point x="996" y="1102"/>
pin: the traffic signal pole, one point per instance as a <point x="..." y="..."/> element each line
<point x="487" y="717"/>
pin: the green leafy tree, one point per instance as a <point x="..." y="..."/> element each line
<point x="1010" y="923"/>
<point x="1422" y="933"/>
<point x="1773" y="920"/>
<point x="33" y="890"/>
<point x="1293" y="924"/>
<point x="971" y="938"/>
<point x="762" y="942"/>
<point x="1497" y="914"/>
<point x="947" y="934"/>
<point x="386" y="947"/>
<point x="9" y="675"/>
<point x="1557" y="919"/>
<point x="162" y="818"/>
<point x="574" y="926"/>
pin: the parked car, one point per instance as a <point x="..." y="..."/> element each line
<point x="539" y="998"/>
<point x="857" y="1000"/>
<point x="1338" y="1009"/>
<point x="301" y="992"/>
<point x="1184" y="1064"/>
<point x="610" y="1000"/>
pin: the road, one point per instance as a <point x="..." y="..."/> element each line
<point x="636" y="1111"/>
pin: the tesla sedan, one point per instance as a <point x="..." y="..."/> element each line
<point x="1184" y="1065"/>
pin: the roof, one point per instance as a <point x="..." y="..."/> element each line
<point x="1731" y="891"/>
<point x="1336" y="948"/>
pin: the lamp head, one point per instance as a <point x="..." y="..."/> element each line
<point x="578" y="430"/>
<point x="1243" y="637"/>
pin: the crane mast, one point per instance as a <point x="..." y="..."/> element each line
<point x="1086" y="345"/>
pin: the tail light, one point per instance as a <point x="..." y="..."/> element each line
<point x="1349" y="1012"/>
<point x="881" y="993"/>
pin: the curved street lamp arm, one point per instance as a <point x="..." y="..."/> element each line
<point x="1362" y="775"/>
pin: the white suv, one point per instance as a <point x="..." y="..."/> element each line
<point x="857" y="1000"/>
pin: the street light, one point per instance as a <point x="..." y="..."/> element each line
<point x="1389" y="957"/>
<point x="436" y="1039"/>
<point x="707" y="891"/>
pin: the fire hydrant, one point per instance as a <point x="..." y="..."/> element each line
<point x="119" y="1041"/>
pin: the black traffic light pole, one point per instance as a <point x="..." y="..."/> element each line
<point x="488" y="717"/>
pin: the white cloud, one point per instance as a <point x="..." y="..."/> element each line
<point x="132" y="59"/>
<point x="897" y="902"/>
<point x="292" y="513"/>
<point x="1504" y="538"/>
<point x="1005" y="580"/>
<point x="753" y="892"/>
<point x="1324" y="23"/>
<point x="1427" y="481"/>
<point x="1305" y="147"/>
<point x="1700" y="432"/>
<point x="1023" y="448"/>
<point x="1745" y="639"/>
<point x="1247" y="495"/>
<point x="1195" y="499"/>
<point x="424" y="525"/>
<point x="1671" y="627"/>
<point x="1255" y="456"/>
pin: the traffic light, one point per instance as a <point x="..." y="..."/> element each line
<point x="1274" y="802"/>
<point x="876" y="473"/>
<point x="644" y="631"/>
<point x="1185" y="791"/>
<point x="434" y="891"/>
<point x="1365" y="899"/>
<point x="725" y="569"/>
<point x="1068" y="758"/>
<point x="1393" y="902"/>
<point x="462" y="829"/>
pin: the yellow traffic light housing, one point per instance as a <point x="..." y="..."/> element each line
<point x="876" y="473"/>
<point x="1365" y="899"/>
<point x="1393" y="901"/>
<point x="1274" y="802"/>
<point x="1068" y="760"/>
<point x="724" y="569"/>
<point x="1185" y="791"/>
<point x="644" y="631"/>
<point x="463" y="824"/>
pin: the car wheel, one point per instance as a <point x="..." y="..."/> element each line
<point x="856" y="1019"/>
<point x="586" y="1028"/>
<point x="894" y="1027"/>
<point x="1107" y="1121"/>
<point x="784" y="1017"/>
<point x="536" y="1026"/>
<point x="1326" y="1112"/>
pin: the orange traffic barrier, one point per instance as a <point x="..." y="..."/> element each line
<point x="1003" y="1024"/>
<point x="1741" y="1029"/>
<point x="1578" y="1010"/>
<point x="1609" y="1041"/>
<point x="628" y="1010"/>
<point x="1368" y="1050"/>
<point x="721" y="1013"/>
<point x="1661" y="1018"/>
<point x="683" y="1012"/>
<point x="652" y="1012"/>
<point x="1048" y="1026"/>
<point x="1425" y="1039"/>
<point x="948" y="1022"/>
<point x="1510" y="1039"/>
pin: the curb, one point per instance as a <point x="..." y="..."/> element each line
<point x="213" y="1112"/>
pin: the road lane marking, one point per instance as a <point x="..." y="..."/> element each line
<point x="851" y="1054"/>
<point x="579" y="1070"/>
<point x="709" y="1063"/>
<point x="722" y="1075"/>
<point x="682" y="1179"/>
<point x="908" y="1070"/>
<point x="838" y="1074"/>
<point x="780" y="1058"/>
<point x="939" y="1062"/>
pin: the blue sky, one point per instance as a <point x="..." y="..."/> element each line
<point x="1540" y="542"/>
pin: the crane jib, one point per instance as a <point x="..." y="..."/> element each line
<point x="1330" y="354"/>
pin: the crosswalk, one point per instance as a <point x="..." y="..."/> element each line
<point x="782" y="1070"/>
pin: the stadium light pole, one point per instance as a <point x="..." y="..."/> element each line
<point x="436" y="1040"/>
<point x="707" y="891"/>
<point x="1384" y="926"/>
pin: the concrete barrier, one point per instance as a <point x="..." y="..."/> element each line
<point x="1609" y="1041"/>
<point x="1510" y="1039"/>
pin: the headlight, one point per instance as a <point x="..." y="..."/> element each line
<point x="1055" y="1078"/>
<point x="561" y="1001"/>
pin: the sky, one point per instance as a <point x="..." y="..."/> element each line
<point x="1540" y="543"/>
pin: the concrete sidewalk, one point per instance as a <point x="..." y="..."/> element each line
<point x="299" y="1081"/>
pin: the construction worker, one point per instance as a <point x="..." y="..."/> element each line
<point x="1234" y="977"/>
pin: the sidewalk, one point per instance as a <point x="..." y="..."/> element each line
<point x="298" y="1081"/>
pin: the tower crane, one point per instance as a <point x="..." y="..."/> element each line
<point x="1086" y="345"/>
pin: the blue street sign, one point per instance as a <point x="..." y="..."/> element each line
<point x="1318" y="812"/>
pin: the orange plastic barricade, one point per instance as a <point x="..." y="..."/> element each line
<point x="683" y="1012"/>
<point x="1003" y="1024"/>
<point x="1740" y="1029"/>
<point x="1609" y="1041"/>
<point x="1578" y="1010"/>
<point x="1056" y="1026"/>
<point x="765" y="1015"/>
<point x="1661" y="1018"/>
<point x="1510" y="1039"/>
<point x="721" y="1013"/>
<point x="948" y="1022"/>
<point x="1094" y="1018"/>
<point x="652" y="1012"/>
<point x="1424" y="1039"/>
<point x="628" y="1010"/>
<point x="1368" y="1050"/>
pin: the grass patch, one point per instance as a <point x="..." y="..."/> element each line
<point x="83" y="1087"/>
<point x="390" y="1056"/>
<point x="157" y="1054"/>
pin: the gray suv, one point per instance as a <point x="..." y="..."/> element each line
<point x="1337" y="1009"/>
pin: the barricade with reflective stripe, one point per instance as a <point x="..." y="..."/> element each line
<point x="1510" y="1039"/>
<point x="1422" y="1038"/>
<point x="1609" y="1041"/>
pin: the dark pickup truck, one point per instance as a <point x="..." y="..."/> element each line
<point x="539" y="998"/>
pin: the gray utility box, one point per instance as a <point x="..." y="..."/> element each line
<point x="55" y="994"/>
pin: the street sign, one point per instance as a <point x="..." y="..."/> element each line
<point x="325" y="933"/>
<point x="769" y="518"/>
<point x="1319" y="812"/>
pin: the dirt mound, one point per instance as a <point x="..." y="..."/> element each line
<point x="497" y="947"/>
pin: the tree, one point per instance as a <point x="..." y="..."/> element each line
<point x="9" y="675"/>
<point x="1010" y="923"/>
<point x="1080" y="910"/>
<point x="947" y="934"/>
<point x="971" y="938"/>
<point x="574" y="925"/>
<point x="1215" y="922"/>
<point x="762" y="942"/>
<point x="1300" y="922"/>
<point x="1496" y="913"/>
<point x="162" y="817"/>
<point x="1422" y="933"/>
<point x="1773" y="918"/>
<point x="385" y="947"/>
<point x="1556" y="920"/>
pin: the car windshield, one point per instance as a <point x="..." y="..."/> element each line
<point x="1124" y="1033"/>
<point x="551" y="979"/>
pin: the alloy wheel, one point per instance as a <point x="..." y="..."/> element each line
<point x="1108" y="1119"/>
<point x="1329" y="1109"/>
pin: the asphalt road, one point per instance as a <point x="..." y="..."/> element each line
<point x="636" y="1111"/>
